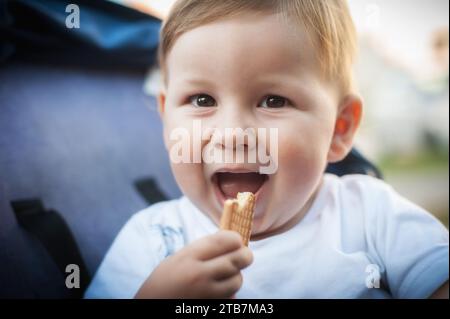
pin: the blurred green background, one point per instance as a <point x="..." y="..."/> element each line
<point x="402" y="75"/>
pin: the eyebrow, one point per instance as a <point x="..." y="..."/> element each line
<point x="197" y="81"/>
<point x="267" y="79"/>
<point x="288" y="81"/>
<point x="270" y="79"/>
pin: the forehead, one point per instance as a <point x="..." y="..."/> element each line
<point x="242" y="47"/>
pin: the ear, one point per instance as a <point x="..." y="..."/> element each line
<point x="161" y="103"/>
<point x="347" y="122"/>
<point x="161" y="111"/>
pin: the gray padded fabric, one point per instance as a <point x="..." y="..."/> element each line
<point x="77" y="139"/>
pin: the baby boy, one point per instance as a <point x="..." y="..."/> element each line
<point x="280" y="73"/>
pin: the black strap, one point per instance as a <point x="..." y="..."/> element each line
<point x="354" y="163"/>
<point x="52" y="231"/>
<point x="149" y="190"/>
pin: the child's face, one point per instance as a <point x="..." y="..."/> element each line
<point x="252" y="72"/>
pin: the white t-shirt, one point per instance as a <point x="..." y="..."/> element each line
<point x="357" y="231"/>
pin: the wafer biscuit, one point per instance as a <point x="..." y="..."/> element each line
<point x="238" y="215"/>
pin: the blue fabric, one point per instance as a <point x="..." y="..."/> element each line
<point x="77" y="139"/>
<point x="109" y="34"/>
<point x="26" y="271"/>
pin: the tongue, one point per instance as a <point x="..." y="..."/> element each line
<point x="232" y="183"/>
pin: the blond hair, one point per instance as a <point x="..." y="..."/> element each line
<point x="329" y="21"/>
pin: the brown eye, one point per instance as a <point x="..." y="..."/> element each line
<point x="274" y="101"/>
<point x="202" y="100"/>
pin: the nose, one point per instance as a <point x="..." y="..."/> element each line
<point x="235" y="139"/>
<point x="235" y="129"/>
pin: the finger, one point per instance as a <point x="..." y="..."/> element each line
<point x="215" y="245"/>
<point x="228" y="287"/>
<point x="230" y="264"/>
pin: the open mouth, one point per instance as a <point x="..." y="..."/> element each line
<point x="231" y="183"/>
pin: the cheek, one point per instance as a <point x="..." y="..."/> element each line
<point x="299" y="167"/>
<point x="178" y="137"/>
<point x="188" y="175"/>
<point x="190" y="179"/>
<point x="302" y="157"/>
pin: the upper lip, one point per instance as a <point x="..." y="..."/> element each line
<point x="235" y="170"/>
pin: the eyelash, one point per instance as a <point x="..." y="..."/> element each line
<point x="287" y="102"/>
<point x="193" y="100"/>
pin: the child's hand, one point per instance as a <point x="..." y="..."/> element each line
<point x="208" y="268"/>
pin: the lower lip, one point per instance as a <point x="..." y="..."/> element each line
<point x="222" y="198"/>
